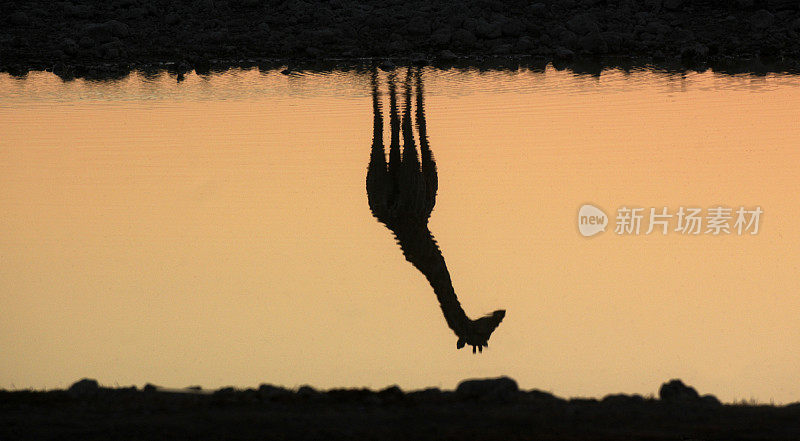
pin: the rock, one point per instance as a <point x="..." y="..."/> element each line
<point x="593" y="43"/>
<point x="538" y="9"/>
<point x="313" y="52"/>
<point x="642" y="18"/>
<point x="387" y="66"/>
<point x="118" y="29"/>
<point x="69" y="46"/>
<point x="101" y="33"/>
<point x="488" y="30"/>
<point x="568" y="38"/>
<point x="538" y="395"/>
<point x="681" y="35"/>
<point x="85" y="42"/>
<point x="172" y="19"/>
<point x="446" y="55"/>
<point x="325" y="36"/>
<point x="523" y="45"/>
<point x="582" y="24"/>
<point x="221" y="35"/>
<point x="138" y="13"/>
<point x="498" y="18"/>
<point x="418" y="59"/>
<point x="348" y="395"/>
<point x="110" y="51"/>
<point x="696" y="51"/>
<point x="779" y="5"/>
<point x="501" y="49"/>
<point x="583" y="401"/>
<point x="79" y="11"/>
<point x="249" y="395"/>
<point x="203" y="5"/>
<point x="269" y="392"/>
<point x="676" y="391"/>
<point x="441" y="37"/>
<point x="429" y="395"/>
<point x="470" y="24"/>
<point x="653" y="5"/>
<point x="419" y="26"/>
<point x="183" y="67"/>
<point x="398" y="46"/>
<point x="16" y="70"/>
<point x="84" y="387"/>
<point x="622" y="399"/>
<point x="225" y="395"/>
<point x="38" y="33"/>
<point x="656" y="27"/>
<point x="513" y="28"/>
<point x="562" y="52"/>
<point x="762" y="19"/>
<point x="463" y="38"/>
<point x="455" y="20"/>
<point x="545" y="40"/>
<point x="391" y="394"/>
<point x="18" y="18"/>
<point x="613" y="40"/>
<point x="307" y="392"/>
<point x="489" y="389"/>
<point x="225" y="391"/>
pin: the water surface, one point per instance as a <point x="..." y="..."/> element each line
<point x="217" y="232"/>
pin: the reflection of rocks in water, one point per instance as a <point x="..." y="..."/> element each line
<point x="93" y="35"/>
<point x="402" y="194"/>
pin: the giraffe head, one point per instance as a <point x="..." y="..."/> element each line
<point x="476" y="333"/>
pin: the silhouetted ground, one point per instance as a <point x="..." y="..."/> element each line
<point x="492" y="409"/>
<point x="105" y="38"/>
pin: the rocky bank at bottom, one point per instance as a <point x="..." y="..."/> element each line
<point x="484" y="409"/>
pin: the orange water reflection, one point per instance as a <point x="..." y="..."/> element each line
<point x="217" y="232"/>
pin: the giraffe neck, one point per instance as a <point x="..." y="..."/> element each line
<point x="420" y="248"/>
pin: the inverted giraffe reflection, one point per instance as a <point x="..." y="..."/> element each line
<point x="402" y="194"/>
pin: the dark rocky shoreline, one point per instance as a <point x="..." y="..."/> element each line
<point x="84" y="38"/>
<point x="486" y="409"/>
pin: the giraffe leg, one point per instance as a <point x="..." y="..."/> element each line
<point x="377" y="176"/>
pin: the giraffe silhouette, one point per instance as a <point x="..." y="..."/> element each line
<point x="401" y="196"/>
